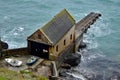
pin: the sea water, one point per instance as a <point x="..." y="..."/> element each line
<point x="20" y="18"/>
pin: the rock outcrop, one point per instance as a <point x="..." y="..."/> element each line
<point x="3" y="45"/>
<point x="73" y="59"/>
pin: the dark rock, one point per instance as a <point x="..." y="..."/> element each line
<point x="82" y="45"/>
<point x="66" y="66"/>
<point x="4" y="45"/>
<point x="73" y="59"/>
<point x="63" y="73"/>
<point x="115" y="76"/>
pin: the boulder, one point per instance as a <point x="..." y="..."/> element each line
<point x="73" y="59"/>
<point x="82" y="45"/>
<point x="63" y="72"/>
<point x="4" y="45"/>
<point x="65" y="66"/>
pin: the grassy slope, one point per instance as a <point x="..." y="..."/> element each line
<point x="6" y="74"/>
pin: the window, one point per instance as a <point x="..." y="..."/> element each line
<point x="64" y="42"/>
<point x="71" y="37"/>
<point x="39" y="36"/>
<point x="57" y="48"/>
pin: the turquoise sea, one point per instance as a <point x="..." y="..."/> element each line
<point x="20" y="18"/>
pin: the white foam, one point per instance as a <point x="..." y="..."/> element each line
<point x="76" y="75"/>
<point x="6" y="17"/>
<point x="20" y="28"/>
<point x="15" y="33"/>
<point x="99" y="29"/>
<point x="13" y="44"/>
<point x="15" y="38"/>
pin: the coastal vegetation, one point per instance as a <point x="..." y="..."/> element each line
<point x="5" y="74"/>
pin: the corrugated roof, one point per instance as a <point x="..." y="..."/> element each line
<point x="58" y="26"/>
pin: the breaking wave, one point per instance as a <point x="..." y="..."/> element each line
<point x="15" y="37"/>
<point x="95" y="66"/>
<point x="99" y="29"/>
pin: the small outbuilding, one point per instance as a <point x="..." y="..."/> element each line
<point x="49" y="41"/>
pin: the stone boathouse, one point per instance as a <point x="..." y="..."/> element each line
<point x="54" y="37"/>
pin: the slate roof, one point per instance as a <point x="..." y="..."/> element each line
<point x="58" y="26"/>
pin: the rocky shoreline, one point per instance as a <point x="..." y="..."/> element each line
<point x="96" y="67"/>
<point x="88" y="65"/>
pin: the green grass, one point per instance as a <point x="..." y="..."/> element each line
<point x="3" y="78"/>
<point x="6" y="74"/>
<point x="26" y="72"/>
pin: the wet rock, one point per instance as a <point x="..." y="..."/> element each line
<point x="96" y="66"/>
<point x="82" y="45"/>
<point x="73" y="59"/>
<point x="66" y="66"/>
<point x="63" y="73"/>
<point x="115" y="76"/>
<point x="4" y="45"/>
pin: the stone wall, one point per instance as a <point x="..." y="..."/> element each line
<point x="69" y="50"/>
<point x="17" y="51"/>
